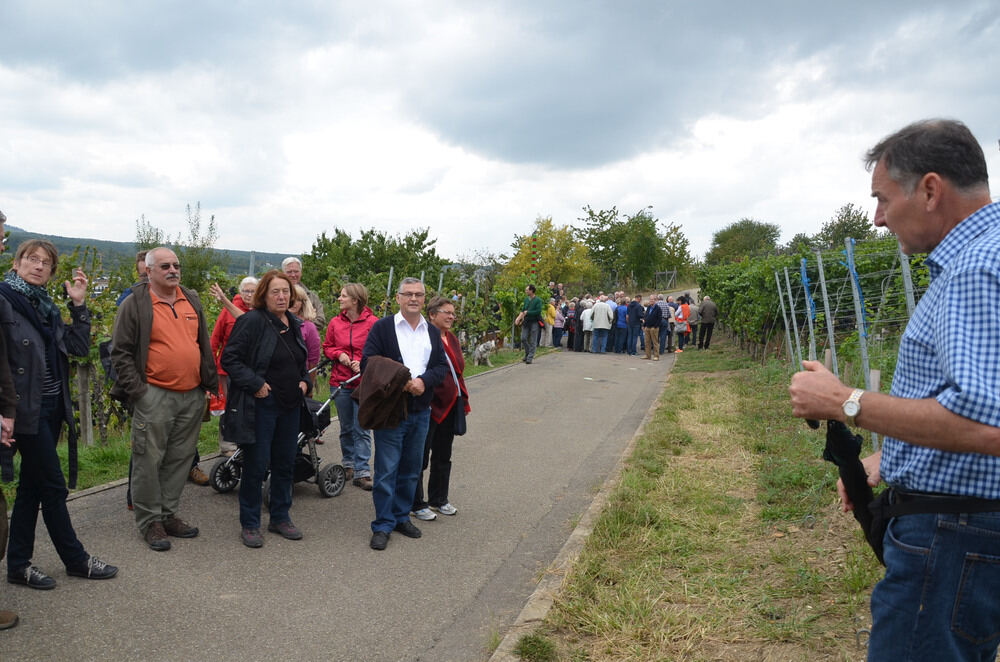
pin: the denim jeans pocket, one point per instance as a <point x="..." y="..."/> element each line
<point x="977" y="611"/>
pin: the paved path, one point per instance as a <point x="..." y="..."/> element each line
<point x="542" y="438"/>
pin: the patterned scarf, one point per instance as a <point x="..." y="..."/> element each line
<point x="37" y="295"/>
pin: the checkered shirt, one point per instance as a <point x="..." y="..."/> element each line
<point x="950" y="351"/>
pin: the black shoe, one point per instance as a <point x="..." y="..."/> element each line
<point x="94" y="568"/>
<point x="379" y="540"/>
<point x="32" y="577"/>
<point x="407" y="529"/>
<point x="252" y="538"/>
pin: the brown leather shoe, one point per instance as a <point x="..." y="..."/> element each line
<point x="8" y="619"/>
<point x="365" y="483"/>
<point x="348" y="473"/>
<point x="156" y="537"/>
<point x="197" y="476"/>
<point x="178" y="528"/>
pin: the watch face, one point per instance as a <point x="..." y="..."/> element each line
<point x="851" y="408"/>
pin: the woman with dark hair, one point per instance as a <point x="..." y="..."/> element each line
<point x="266" y="361"/>
<point x="344" y="343"/>
<point x="451" y="399"/>
<point x="40" y="368"/>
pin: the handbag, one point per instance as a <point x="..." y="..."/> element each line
<point x="460" y="426"/>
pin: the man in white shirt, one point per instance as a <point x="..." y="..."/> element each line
<point x="603" y="319"/>
<point x="407" y="338"/>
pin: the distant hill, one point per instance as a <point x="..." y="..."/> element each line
<point x="116" y="252"/>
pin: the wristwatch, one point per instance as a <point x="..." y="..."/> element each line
<point x="852" y="406"/>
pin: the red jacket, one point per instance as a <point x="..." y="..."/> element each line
<point x="223" y="327"/>
<point x="446" y="393"/>
<point x="346" y="337"/>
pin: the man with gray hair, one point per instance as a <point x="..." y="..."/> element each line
<point x="163" y="357"/>
<point x="292" y="267"/>
<point x="941" y="452"/>
<point x="404" y="338"/>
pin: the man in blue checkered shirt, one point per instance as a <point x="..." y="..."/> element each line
<point x="940" y="597"/>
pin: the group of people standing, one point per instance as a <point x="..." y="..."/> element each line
<point x="615" y="323"/>
<point x="168" y="364"/>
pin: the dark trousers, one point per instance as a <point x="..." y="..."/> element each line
<point x="437" y="454"/>
<point x="705" y="335"/>
<point x="635" y="333"/>
<point x="692" y="338"/>
<point x="682" y="339"/>
<point x="276" y="431"/>
<point x="571" y="338"/>
<point x="41" y="484"/>
<point x="557" y="334"/>
<point x="664" y="337"/>
<point x="620" y="339"/>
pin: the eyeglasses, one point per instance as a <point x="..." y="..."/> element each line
<point x="35" y="260"/>
<point x="166" y="266"/>
<point x="412" y="295"/>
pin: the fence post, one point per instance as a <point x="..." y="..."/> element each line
<point x="86" y="415"/>
<point x="826" y="312"/>
<point x="904" y="265"/>
<point x="810" y="311"/>
<point x="784" y="315"/>
<point x="860" y="319"/>
<point x="795" y="324"/>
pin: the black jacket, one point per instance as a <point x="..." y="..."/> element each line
<point x="382" y="342"/>
<point x="246" y="358"/>
<point x="653" y="316"/>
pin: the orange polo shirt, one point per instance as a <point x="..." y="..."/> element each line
<point x="174" y="361"/>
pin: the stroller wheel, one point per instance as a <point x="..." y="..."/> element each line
<point x="225" y="475"/>
<point x="331" y="480"/>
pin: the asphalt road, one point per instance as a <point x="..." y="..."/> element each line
<point x="542" y="439"/>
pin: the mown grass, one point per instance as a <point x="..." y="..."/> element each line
<point x="723" y="540"/>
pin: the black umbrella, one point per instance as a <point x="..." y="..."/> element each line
<point x="843" y="448"/>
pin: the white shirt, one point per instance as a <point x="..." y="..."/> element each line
<point x="414" y="344"/>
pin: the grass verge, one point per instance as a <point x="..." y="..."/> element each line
<point x="723" y="539"/>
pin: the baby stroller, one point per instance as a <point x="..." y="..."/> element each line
<point x="315" y="419"/>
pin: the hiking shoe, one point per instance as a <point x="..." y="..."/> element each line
<point x="178" y="528"/>
<point x="446" y="509"/>
<point x="8" y="619"/>
<point x="156" y="537"/>
<point x="32" y="577"/>
<point x="365" y="483"/>
<point x="348" y="473"/>
<point x="286" y="529"/>
<point x="379" y="540"/>
<point x="252" y="538"/>
<point x="407" y="529"/>
<point x="424" y="514"/>
<point x="197" y="476"/>
<point x="94" y="568"/>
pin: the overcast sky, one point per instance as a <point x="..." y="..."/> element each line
<point x="471" y="118"/>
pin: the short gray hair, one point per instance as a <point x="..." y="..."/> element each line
<point x="249" y="280"/>
<point x="409" y="280"/>
<point x="946" y="147"/>
<point x="151" y="255"/>
<point x="288" y="260"/>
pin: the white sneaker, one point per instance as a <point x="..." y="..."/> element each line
<point x="424" y="514"/>
<point x="446" y="509"/>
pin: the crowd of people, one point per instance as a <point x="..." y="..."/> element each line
<point x="615" y="323"/>
<point x="257" y="364"/>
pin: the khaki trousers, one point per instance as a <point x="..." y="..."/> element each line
<point x="652" y="341"/>
<point x="165" y="427"/>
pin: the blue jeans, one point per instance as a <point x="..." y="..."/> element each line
<point x="355" y="441"/>
<point x="41" y="483"/>
<point x="621" y="337"/>
<point x="681" y="340"/>
<point x="634" y="333"/>
<point x="557" y="334"/>
<point x="399" y="454"/>
<point x="938" y="599"/>
<point x="276" y="430"/>
<point x="600" y="340"/>
<point x="664" y="334"/>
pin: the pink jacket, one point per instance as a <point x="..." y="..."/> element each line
<point x="223" y="327"/>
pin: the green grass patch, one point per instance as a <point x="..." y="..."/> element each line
<point x="723" y="539"/>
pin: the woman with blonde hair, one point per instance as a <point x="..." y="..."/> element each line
<point x="302" y="308"/>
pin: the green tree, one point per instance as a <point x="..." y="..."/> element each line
<point x="642" y="247"/>
<point x="799" y="244"/>
<point x="603" y="234"/>
<point x="197" y="252"/>
<point x="561" y="257"/>
<point x="848" y="221"/>
<point x="745" y="237"/>
<point x="677" y="252"/>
